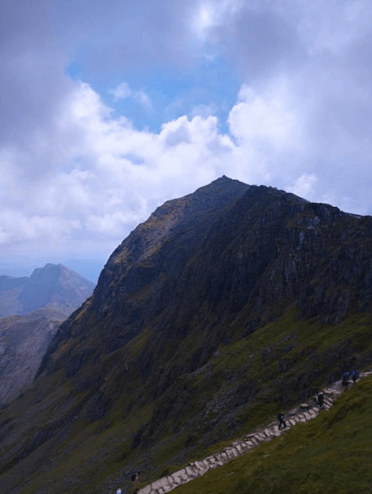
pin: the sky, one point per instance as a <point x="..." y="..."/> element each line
<point x="110" y="108"/>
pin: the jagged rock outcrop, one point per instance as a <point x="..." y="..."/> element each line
<point x="222" y="307"/>
<point x="52" y="284"/>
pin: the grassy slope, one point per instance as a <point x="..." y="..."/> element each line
<point x="100" y="455"/>
<point x="330" y="454"/>
<point x="303" y="348"/>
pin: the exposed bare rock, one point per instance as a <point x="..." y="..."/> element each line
<point x="23" y="342"/>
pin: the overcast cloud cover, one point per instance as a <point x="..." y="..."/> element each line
<point x="110" y="108"/>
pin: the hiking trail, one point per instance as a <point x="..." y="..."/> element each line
<point x="301" y="413"/>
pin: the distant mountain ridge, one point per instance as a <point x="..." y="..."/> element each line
<point x="224" y="307"/>
<point x="52" y="284"/>
<point x="31" y="309"/>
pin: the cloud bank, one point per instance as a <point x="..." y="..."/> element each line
<point x="77" y="174"/>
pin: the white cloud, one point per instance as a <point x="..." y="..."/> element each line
<point x="122" y="91"/>
<point x="268" y="118"/>
<point x="115" y="174"/>
<point x="304" y="185"/>
<point x="209" y="14"/>
<point x="71" y="169"/>
<point x="144" y="99"/>
<point x="204" y="110"/>
<point x="18" y="226"/>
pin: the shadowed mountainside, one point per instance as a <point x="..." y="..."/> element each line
<point x="52" y="284"/>
<point x="223" y="307"/>
<point x="23" y="343"/>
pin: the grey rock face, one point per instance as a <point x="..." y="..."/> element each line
<point x="23" y="342"/>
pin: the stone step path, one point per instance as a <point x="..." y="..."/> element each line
<point x="302" y="413"/>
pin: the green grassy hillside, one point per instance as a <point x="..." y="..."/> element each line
<point x="243" y="386"/>
<point x="330" y="454"/>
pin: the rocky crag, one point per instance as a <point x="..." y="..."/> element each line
<point x="224" y="307"/>
<point x="52" y="284"/>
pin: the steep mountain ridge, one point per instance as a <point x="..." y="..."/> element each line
<point x="222" y="307"/>
<point x="52" y="284"/>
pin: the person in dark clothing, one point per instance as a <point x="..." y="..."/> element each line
<point x="320" y="400"/>
<point x="354" y="375"/>
<point x="281" y="421"/>
<point x="135" y="478"/>
<point x="345" y="378"/>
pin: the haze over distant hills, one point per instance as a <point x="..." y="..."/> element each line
<point x="20" y="265"/>
<point x="52" y="284"/>
<point x="224" y="307"/>
<point x="32" y="309"/>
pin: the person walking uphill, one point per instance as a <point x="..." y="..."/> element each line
<point x="345" y="378"/>
<point x="135" y="479"/>
<point x="354" y="375"/>
<point x="281" y="421"/>
<point x="320" y="400"/>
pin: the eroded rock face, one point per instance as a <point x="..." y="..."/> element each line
<point x="23" y="342"/>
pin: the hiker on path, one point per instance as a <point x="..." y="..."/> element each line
<point x="135" y="479"/>
<point x="345" y="378"/>
<point x="354" y="375"/>
<point x="321" y="400"/>
<point x="281" y="421"/>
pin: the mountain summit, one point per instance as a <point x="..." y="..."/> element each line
<point x="52" y="284"/>
<point x="32" y="309"/>
<point x="221" y="309"/>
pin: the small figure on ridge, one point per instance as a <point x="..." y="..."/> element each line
<point x="320" y="400"/>
<point x="354" y="375"/>
<point x="281" y="421"/>
<point x="345" y="378"/>
<point x="135" y="478"/>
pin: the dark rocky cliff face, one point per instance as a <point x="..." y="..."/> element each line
<point x="223" y="306"/>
